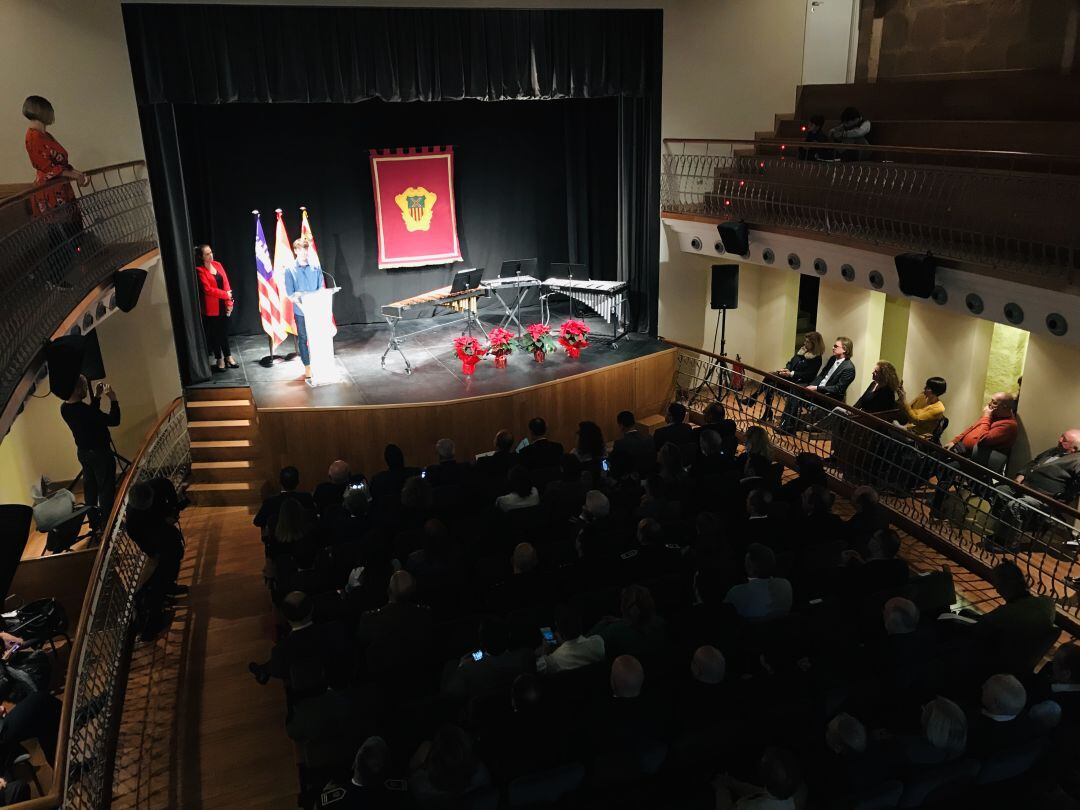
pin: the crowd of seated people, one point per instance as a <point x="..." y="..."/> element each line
<point x="623" y="627"/>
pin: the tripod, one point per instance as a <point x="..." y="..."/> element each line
<point x="716" y="390"/>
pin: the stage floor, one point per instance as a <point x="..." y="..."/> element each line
<point x="436" y="374"/>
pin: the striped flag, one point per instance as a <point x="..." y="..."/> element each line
<point x="269" y="293"/>
<point x="283" y="260"/>
<point x="313" y="254"/>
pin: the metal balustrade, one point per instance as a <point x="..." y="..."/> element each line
<point x="1025" y="215"/>
<point x="50" y="261"/>
<point x="976" y="511"/>
<point x="96" y="676"/>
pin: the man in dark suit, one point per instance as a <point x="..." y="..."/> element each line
<point x="635" y="451"/>
<point x="307" y="642"/>
<point x="838" y="373"/>
<point x="496" y="464"/>
<point x="448" y="471"/>
<point x="541" y="452"/>
<point x="676" y="430"/>
<point x="715" y="419"/>
<point x="329" y="493"/>
<point x="396" y="640"/>
<point x="266" y="517"/>
<point x="386" y="485"/>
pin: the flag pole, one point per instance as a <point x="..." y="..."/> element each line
<point x="270" y="359"/>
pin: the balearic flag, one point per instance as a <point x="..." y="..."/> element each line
<point x="284" y="260"/>
<point x="313" y="254"/>
<point x="269" y="293"/>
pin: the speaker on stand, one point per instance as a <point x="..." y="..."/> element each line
<point x="724" y="295"/>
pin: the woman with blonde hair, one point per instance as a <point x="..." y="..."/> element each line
<point x="756" y="458"/>
<point x="881" y="394"/>
<point x="800" y="369"/>
<point x="944" y="734"/>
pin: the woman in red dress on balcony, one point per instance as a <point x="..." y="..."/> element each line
<point x="49" y="158"/>
<point x="217" y="305"/>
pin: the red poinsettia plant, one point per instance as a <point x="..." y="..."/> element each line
<point x="500" y="345"/>
<point x="573" y="336"/>
<point x="469" y="352"/>
<point x="538" y="341"/>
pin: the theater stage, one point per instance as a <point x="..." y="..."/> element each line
<point x="355" y="419"/>
<point x="436" y="375"/>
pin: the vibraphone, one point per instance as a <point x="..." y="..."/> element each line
<point x="606" y="298"/>
<point x="463" y="301"/>
<point x="519" y="284"/>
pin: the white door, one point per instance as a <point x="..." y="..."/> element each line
<point x="829" y="42"/>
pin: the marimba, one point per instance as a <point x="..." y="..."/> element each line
<point x="606" y="298"/>
<point x="463" y="301"/>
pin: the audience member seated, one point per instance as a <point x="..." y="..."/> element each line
<point x="573" y="649"/>
<point x="306" y="642"/>
<point x="489" y="670"/>
<point x="869" y="517"/>
<point x="395" y="641"/>
<point x="882" y="571"/>
<point x="849" y="765"/>
<point x="853" y="128"/>
<point x="1054" y="472"/>
<point x="266" y="517"/>
<point x="756" y="459"/>
<point x="882" y="392"/>
<point x="495" y="464"/>
<point x="629" y="729"/>
<point x="676" y="430"/>
<point x="590" y="449"/>
<point x="541" y="452"/>
<point x="522" y="494"/>
<point x="446" y="769"/>
<point x="801" y="369"/>
<point x="353" y="520"/>
<point x="564" y="497"/>
<point x="811" y="473"/>
<point x="527" y="587"/>
<point x="781" y="781"/>
<point x="634" y="452"/>
<point x="1059" y="681"/>
<point x="760" y="526"/>
<point x="639" y="632"/>
<point x="670" y="466"/>
<point x="706" y="704"/>
<point x="447" y="471"/>
<point x="838" y="373"/>
<point x="716" y="420"/>
<point x="924" y="413"/>
<point x="1012" y="633"/>
<point x="367" y="784"/>
<point x="386" y="485"/>
<point x="943" y="735"/>
<point x="714" y="457"/>
<point x="329" y="494"/>
<point x="1000" y="721"/>
<point x="151" y="523"/>
<point x="762" y="596"/>
<point x="653" y="559"/>
<point x="995" y="430"/>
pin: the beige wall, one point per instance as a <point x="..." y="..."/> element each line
<point x="858" y="314"/>
<point x="1049" y="397"/>
<point x="956" y="347"/>
<point x="74" y="53"/>
<point x="894" y="331"/>
<point x="140" y="360"/>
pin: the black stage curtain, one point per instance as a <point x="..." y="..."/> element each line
<point x="222" y="54"/>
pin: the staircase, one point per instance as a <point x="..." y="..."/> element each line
<point x="226" y="469"/>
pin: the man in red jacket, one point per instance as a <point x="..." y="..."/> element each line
<point x="995" y="430"/>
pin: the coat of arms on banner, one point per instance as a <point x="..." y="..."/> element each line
<point x="414" y="206"/>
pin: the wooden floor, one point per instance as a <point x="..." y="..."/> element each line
<point x="197" y="731"/>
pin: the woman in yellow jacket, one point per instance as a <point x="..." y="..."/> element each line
<point x="926" y="410"/>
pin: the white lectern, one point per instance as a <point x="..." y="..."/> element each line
<point x="317" y="308"/>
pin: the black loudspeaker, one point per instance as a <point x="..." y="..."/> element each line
<point x="725" y="286"/>
<point x="129" y="284"/>
<point x="93" y="365"/>
<point x="65" y="359"/>
<point x="14" y="531"/>
<point x="735" y="237"/>
<point x="916" y="273"/>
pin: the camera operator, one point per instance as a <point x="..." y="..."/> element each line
<point x="93" y="444"/>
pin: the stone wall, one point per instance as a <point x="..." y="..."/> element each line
<point x="919" y="37"/>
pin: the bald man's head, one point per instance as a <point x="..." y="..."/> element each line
<point x="1070" y="440"/>
<point x="339" y="472"/>
<point x="627" y="677"/>
<point x="1002" y="404"/>
<point x="708" y="665"/>
<point x="402" y="587"/>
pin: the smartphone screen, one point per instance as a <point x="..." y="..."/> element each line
<point x="423" y="473"/>
<point x="604" y="465"/>
<point x="478" y="655"/>
<point x="549" y="636"/>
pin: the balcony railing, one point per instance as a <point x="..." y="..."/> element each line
<point x="1004" y="209"/>
<point x="97" y="667"/>
<point x="977" y="514"/>
<point x="50" y="261"/>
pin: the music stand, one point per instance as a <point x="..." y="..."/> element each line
<point x="469" y="279"/>
<point x="515" y="268"/>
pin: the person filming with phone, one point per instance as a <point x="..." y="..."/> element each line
<point x="93" y="444"/>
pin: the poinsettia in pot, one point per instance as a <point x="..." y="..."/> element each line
<point x="573" y="336"/>
<point x="469" y="352"/>
<point x="537" y="341"/>
<point x="500" y="345"/>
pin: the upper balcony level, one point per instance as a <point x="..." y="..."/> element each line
<point x="57" y="267"/>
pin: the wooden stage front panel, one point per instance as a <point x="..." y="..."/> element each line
<point x="310" y="438"/>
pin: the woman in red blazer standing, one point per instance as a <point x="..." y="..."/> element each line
<point x="217" y="305"/>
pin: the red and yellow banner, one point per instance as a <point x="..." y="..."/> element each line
<point x="414" y="206"/>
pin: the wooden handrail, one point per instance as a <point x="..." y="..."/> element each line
<point x="873" y="147"/>
<point x="15" y="199"/>
<point x="56" y="791"/>
<point x="880" y="425"/>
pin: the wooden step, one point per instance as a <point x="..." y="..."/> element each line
<point x="224" y="450"/>
<point x="222" y="429"/>
<point x="778" y="117"/>
<point x="218" y="409"/>
<point x="653" y="422"/>
<point x="764" y="134"/>
<point x="214" y="393"/>
<point x="225" y="471"/>
<point x="231" y="493"/>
